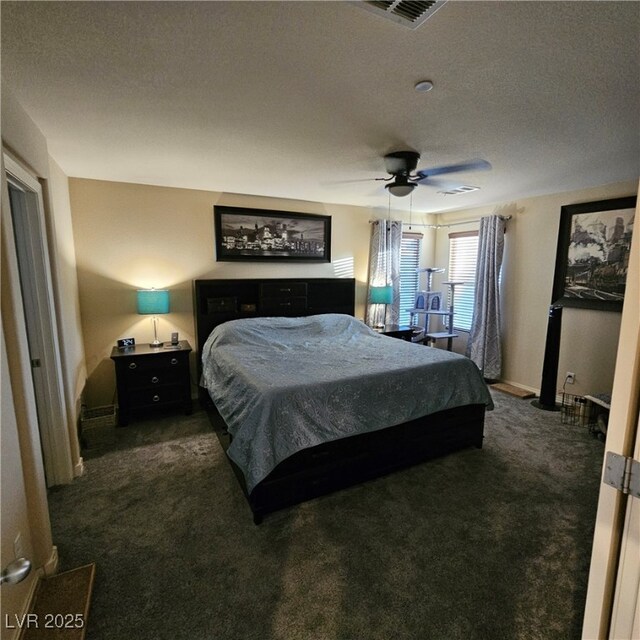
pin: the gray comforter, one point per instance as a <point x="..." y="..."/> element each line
<point x="286" y="384"/>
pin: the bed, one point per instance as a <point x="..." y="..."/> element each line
<point x="314" y="402"/>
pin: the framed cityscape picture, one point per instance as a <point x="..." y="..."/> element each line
<point x="271" y="236"/>
<point x="592" y="259"/>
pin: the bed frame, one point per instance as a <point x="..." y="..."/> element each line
<point x="341" y="463"/>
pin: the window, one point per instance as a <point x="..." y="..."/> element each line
<point x="409" y="263"/>
<point x="463" y="257"/>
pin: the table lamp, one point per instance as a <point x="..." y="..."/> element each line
<point x="153" y="302"/>
<point x="381" y="295"/>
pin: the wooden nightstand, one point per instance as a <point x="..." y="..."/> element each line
<point x="404" y="332"/>
<point x="149" y="378"/>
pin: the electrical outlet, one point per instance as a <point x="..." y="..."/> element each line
<point x="570" y="378"/>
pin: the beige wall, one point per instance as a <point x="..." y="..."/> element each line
<point x="589" y="338"/>
<point x="129" y="236"/>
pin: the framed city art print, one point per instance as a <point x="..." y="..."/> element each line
<point x="243" y="234"/>
<point x="592" y="259"/>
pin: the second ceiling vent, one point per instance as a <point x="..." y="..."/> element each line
<point x="410" y="13"/>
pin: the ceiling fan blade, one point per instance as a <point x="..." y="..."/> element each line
<point x="329" y="183"/>
<point x="471" y="165"/>
<point x="439" y="184"/>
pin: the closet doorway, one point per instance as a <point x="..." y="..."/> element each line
<point x="27" y="227"/>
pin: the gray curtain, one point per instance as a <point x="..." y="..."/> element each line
<point x="484" y="346"/>
<point x="384" y="269"/>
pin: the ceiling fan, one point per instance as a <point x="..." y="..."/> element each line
<point x="401" y="165"/>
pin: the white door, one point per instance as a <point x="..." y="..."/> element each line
<point x="27" y="225"/>
<point x="14" y="517"/>
<point x="612" y="597"/>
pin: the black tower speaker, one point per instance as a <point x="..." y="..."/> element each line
<point x="547" y="399"/>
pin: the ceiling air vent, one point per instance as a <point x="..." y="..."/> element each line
<point x="457" y="190"/>
<point x="410" y="13"/>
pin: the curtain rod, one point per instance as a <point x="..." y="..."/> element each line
<point x="446" y="226"/>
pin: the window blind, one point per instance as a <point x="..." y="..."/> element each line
<point x="463" y="258"/>
<point x="409" y="263"/>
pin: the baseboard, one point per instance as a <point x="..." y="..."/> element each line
<point x="524" y="387"/>
<point x="51" y="565"/>
<point x="78" y="470"/>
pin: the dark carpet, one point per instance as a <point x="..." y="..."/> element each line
<point x="482" y="544"/>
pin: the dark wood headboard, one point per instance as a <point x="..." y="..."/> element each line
<point x="217" y="301"/>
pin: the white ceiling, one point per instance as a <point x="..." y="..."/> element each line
<point x="302" y="99"/>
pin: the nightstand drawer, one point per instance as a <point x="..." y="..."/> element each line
<point x="157" y="396"/>
<point x="159" y="362"/>
<point x="154" y="377"/>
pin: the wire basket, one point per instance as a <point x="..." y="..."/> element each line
<point x="97" y="426"/>
<point x="574" y="410"/>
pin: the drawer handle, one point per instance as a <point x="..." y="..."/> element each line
<point x="133" y="365"/>
<point x="156" y="398"/>
<point x="155" y="380"/>
<point x="285" y="290"/>
<point x="285" y="304"/>
<point x="174" y="360"/>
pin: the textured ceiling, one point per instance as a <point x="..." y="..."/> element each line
<point x="302" y="99"/>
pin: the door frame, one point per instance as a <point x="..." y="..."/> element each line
<point x="625" y="616"/>
<point x="609" y="608"/>
<point x="30" y="239"/>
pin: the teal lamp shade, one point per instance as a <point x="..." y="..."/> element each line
<point x="153" y="301"/>
<point x="381" y="295"/>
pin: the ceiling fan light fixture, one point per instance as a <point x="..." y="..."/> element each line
<point x="400" y="189"/>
